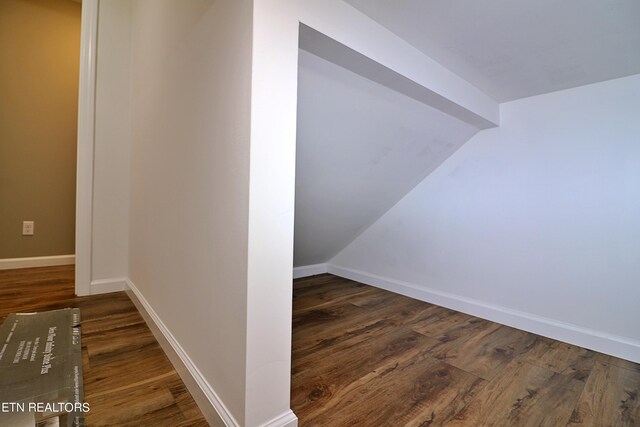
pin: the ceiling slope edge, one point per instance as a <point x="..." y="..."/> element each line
<point x="339" y="32"/>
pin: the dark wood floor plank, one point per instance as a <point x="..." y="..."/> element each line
<point x="448" y="325"/>
<point x="116" y="408"/>
<point x="329" y="294"/>
<point x="315" y="384"/>
<point x="522" y="395"/>
<point x="375" y="299"/>
<point x="313" y="282"/>
<point x="611" y="398"/>
<point x="134" y="368"/>
<point x="323" y="327"/>
<point x="566" y="359"/>
<point x="486" y="351"/>
<point x="625" y="364"/>
<point x="112" y="322"/>
<point x="118" y="341"/>
<point x="413" y="391"/>
<point x="196" y="422"/>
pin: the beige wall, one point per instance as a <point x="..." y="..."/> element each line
<point x="39" y="56"/>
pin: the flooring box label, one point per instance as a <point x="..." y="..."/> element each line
<point x="41" y="370"/>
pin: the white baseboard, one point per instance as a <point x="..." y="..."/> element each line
<point x="309" y="270"/>
<point x="213" y="409"/>
<point x="621" y="347"/>
<point x="288" y="419"/>
<point x="40" y="261"/>
<point x="104" y="286"/>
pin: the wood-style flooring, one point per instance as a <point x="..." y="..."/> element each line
<point x="127" y="377"/>
<point x="366" y="357"/>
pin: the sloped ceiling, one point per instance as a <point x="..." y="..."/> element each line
<point x="514" y="49"/>
<point x="361" y="147"/>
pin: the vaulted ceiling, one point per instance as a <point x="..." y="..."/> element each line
<point x="514" y="49"/>
<point x="362" y="145"/>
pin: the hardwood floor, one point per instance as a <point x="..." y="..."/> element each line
<point x="366" y="357"/>
<point x="127" y="377"/>
<point x="361" y="357"/>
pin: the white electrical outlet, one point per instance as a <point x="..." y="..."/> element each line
<point x="27" y="228"/>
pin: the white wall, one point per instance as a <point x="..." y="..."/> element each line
<point x="360" y="148"/>
<point x="349" y="27"/>
<point x="112" y="144"/>
<point x="188" y="235"/>
<point x="539" y="219"/>
<point x="271" y="207"/>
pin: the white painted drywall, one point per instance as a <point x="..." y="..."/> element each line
<point x="191" y="105"/>
<point x="271" y="209"/>
<point x="110" y="223"/>
<point x="510" y="49"/>
<point x="541" y="215"/>
<point x="360" y="148"/>
<point x="350" y="27"/>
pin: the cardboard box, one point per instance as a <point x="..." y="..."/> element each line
<point x="41" y="370"/>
